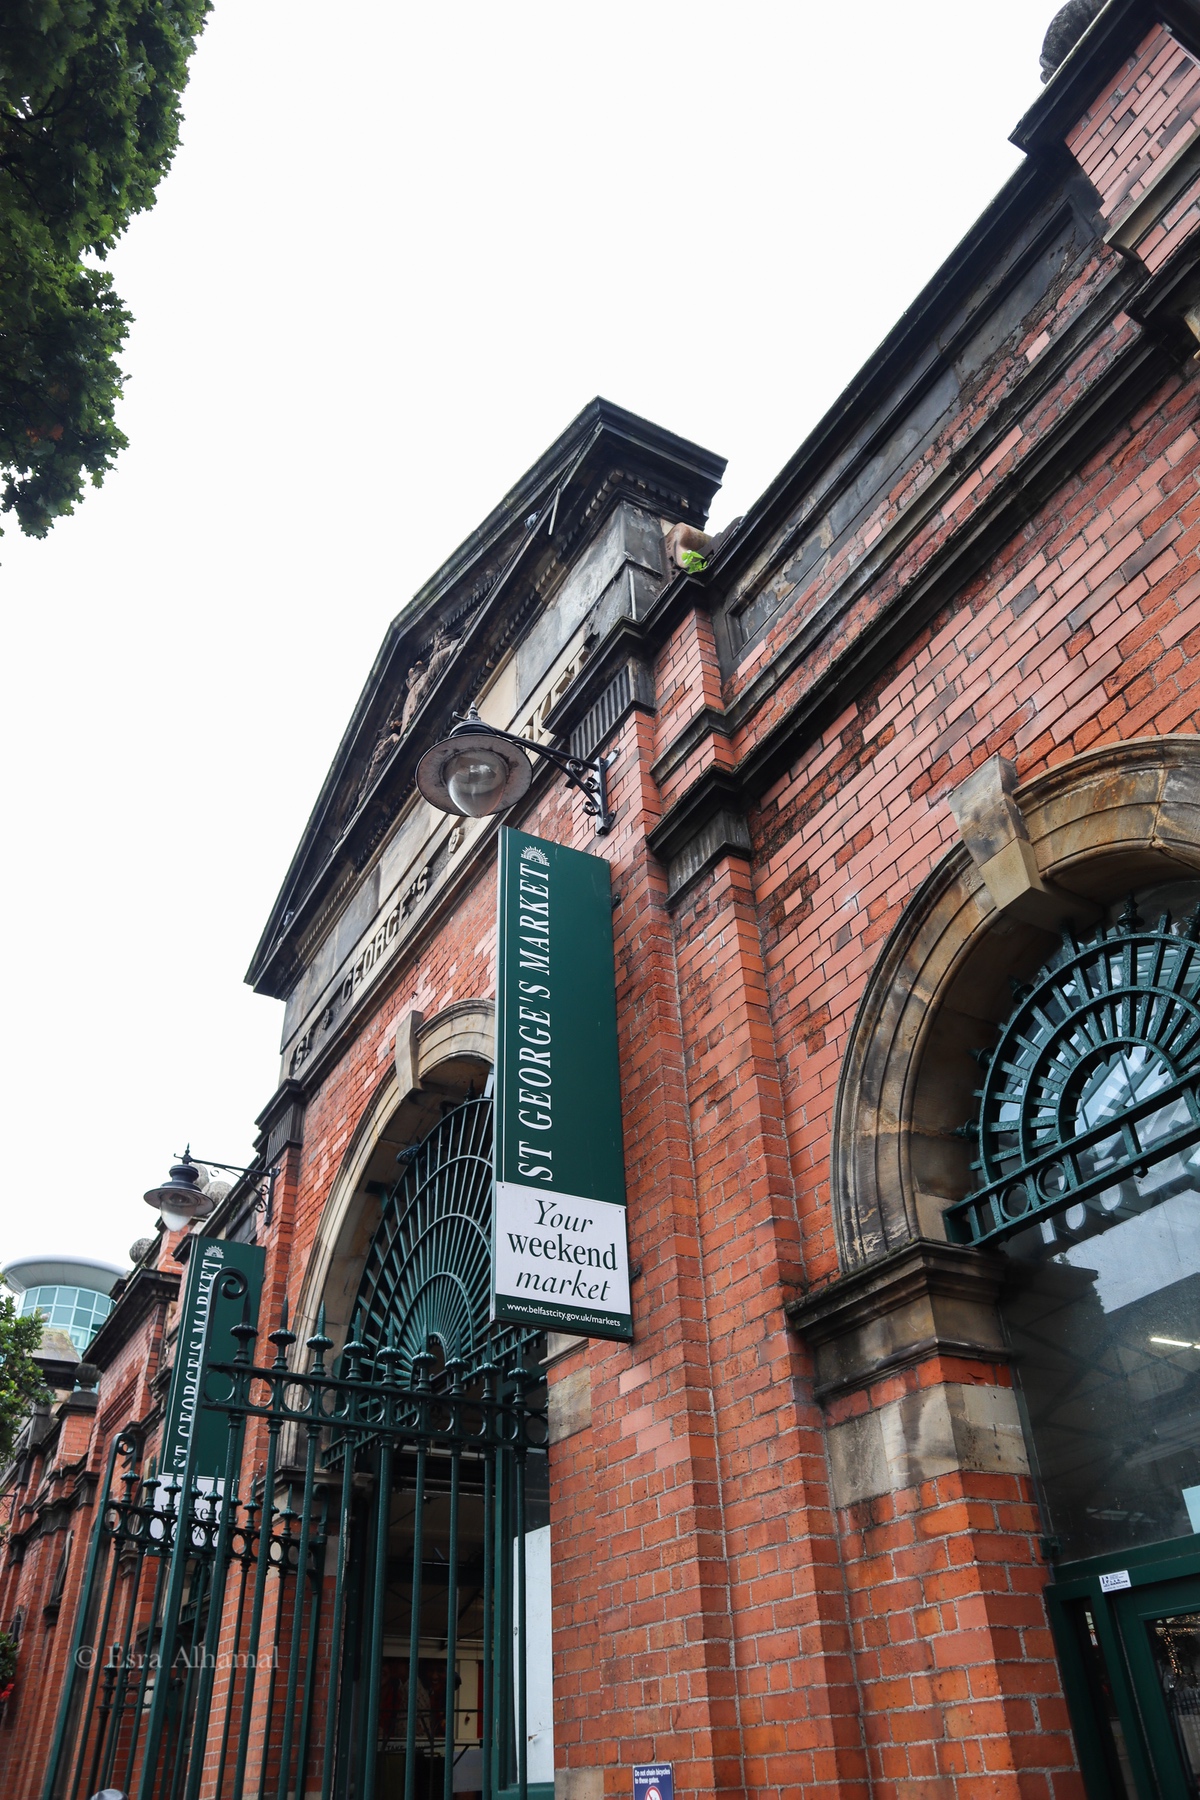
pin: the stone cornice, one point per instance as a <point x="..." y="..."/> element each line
<point x="893" y="379"/>
<point x="1047" y="373"/>
<point x="71" y="1489"/>
<point x="469" y="865"/>
<point x="144" y="1290"/>
<point x="706" y="824"/>
<point x="1097" y="55"/>
<point x="626" y="642"/>
<point x="1134" y="372"/>
<point x="948" y="570"/>
<point x="927" y="1299"/>
<point x="856" y="432"/>
<point x="281" y="1121"/>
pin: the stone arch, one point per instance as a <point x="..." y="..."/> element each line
<point x="1116" y="818"/>
<point x="436" y="1060"/>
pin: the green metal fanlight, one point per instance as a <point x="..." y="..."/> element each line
<point x="1096" y="1076"/>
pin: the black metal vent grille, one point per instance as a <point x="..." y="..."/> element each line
<point x="599" y="720"/>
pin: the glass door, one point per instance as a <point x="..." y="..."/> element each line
<point x="1129" y="1647"/>
<point x="1160" y="1633"/>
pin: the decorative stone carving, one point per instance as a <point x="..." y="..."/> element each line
<point x="422" y="676"/>
<point x="991" y="826"/>
<point x="393" y="732"/>
<point x="1066" y="28"/>
<point x="408" y="1067"/>
<point x="465" y="1028"/>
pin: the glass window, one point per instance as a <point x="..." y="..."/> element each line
<point x="79" y="1312"/>
<point x="1092" y="1187"/>
<point x="1104" y="1319"/>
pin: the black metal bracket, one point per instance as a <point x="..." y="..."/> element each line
<point x="590" y="778"/>
<point x="263" y="1203"/>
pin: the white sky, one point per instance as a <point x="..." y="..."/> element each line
<point x="401" y="246"/>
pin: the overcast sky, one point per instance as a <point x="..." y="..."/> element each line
<point x="400" y="247"/>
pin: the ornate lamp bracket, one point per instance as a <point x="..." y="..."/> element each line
<point x="590" y="778"/>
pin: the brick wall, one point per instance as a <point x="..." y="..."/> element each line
<point x="714" y="1603"/>
<point x="1083" y="631"/>
<point x="1145" y="113"/>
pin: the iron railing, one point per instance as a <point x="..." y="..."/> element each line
<point x="301" y="1622"/>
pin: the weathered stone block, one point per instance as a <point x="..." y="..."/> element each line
<point x="579" y="1784"/>
<point x="570" y="1405"/>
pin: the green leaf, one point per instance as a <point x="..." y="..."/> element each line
<point x="21" y="1384"/>
<point x="90" y="94"/>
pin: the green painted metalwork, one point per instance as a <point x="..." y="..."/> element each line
<point x="207" y="1623"/>
<point x="1096" y="1077"/>
<point x="1120" y="1706"/>
<point x="427" y="1274"/>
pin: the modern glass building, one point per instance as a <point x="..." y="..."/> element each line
<point x="71" y="1292"/>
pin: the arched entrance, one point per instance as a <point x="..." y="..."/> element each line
<point x="1016" y="1138"/>
<point x="463" y="1549"/>
<point x="436" y="1063"/>
<point x="1087" y="1182"/>
<point x="356" y="1606"/>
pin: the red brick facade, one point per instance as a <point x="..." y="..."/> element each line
<point x="988" y="550"/>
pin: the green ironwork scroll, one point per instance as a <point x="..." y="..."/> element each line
<point x="1095" y="1079"/>
<point x="427" y="1269"/>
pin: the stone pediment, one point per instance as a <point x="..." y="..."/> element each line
<point x="442" y="649"/>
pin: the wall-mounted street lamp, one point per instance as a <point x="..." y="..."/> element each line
<point x="180" y="1199"/>
<point x="480" y="769"/>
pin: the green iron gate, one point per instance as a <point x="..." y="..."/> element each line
<point x="342" y="1609"/>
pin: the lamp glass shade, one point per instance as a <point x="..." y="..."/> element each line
<point x="473" y="773"/>
<point x="476" y="780"/>
<point x="173" y="1218"/>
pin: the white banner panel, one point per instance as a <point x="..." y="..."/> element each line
<point x="562" y="1255"/>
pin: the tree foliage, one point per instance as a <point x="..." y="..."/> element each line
<point x="21" y="1384"/>
<point x="89" y="122"/>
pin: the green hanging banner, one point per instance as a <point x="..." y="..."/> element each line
<point x="560" y="1257"/>
<point x="208" y="1261"/>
